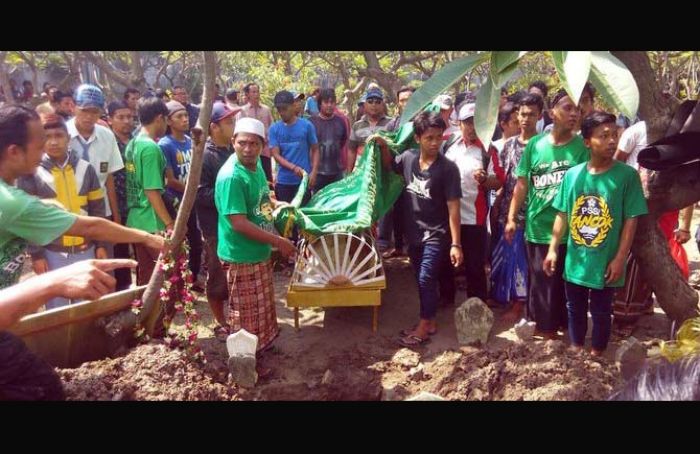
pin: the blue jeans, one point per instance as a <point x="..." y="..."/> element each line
<point x="577" y="298"/>
<point x="57" y="260"/>
<point x="432" y="268"/>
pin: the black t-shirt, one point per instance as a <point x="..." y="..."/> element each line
<point x="426" y="217"/>
<point x="331" y="135"/>
<point x="212" y="160"/>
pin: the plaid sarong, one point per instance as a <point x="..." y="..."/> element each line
<point x="252" y="301"/>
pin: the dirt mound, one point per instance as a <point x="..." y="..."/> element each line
<point x="535" y="371"/>
<point x="148" y="372"/>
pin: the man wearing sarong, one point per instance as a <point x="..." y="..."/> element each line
<point x="246" y="235"/>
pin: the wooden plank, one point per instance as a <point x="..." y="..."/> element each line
<point x="334" y="298"/>
<point x="75" y="313"/>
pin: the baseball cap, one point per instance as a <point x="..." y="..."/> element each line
<point x="88" y="95"/>
<point x="466" y="111"/>
<point x="283" y="97"/>
<point x="298" y="95"/>
<point x="251" y="126"/>
<point x="173" y="107"/>
<point x="444" y="101"/>
<point x="374" y="93"/>
<point x="220" y="111"/>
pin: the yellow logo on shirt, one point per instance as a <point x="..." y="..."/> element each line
<point x="266" y="211"/>
<point x="590" y="221"/>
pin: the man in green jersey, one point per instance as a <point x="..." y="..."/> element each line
<point x="545" y="160"/>
<point x="600" y="201"/>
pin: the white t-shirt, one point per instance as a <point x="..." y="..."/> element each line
<point x="633" y="140"/>
<point x="473" y="206"/>
<point x="102" y="151"/>
<point x="498" y="144"/>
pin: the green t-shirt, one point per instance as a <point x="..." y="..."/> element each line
<point x="597" y="207"/>
<point x="25" y="218"/>
<point x="240" y="191"/>
<point x="544" y="165"/>
<point x="145" y="165"/>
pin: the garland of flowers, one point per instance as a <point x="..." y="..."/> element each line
<point x="175" y="268"/>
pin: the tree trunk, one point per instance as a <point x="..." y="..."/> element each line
<point x="666" y="190"/>
<point x="117" y="327"/>
<point x="390" y="82"/>
<point x="138" y="80"/>
<point x="654" y="108"/>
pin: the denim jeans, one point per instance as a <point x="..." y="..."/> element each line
<point x="577" y="298"/>
<point x="432" y="268"/>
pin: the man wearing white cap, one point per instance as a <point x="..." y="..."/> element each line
<point x="479" y="172"/>
<point x="246" y="235"/>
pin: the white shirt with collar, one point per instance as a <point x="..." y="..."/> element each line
<point x="102" y="150"/>
<point x="468" y="159"/>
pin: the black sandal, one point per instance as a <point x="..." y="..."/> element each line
<point x="413" y="341"/>
<point x="409" y="332"/>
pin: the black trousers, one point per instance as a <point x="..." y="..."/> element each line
<point x="474" y="247"/>
<point x="25" y="376"/>
<point x="194" y="237"/>
<point x="547" y="302"/>
<point x="266" y="162"/>
<point x="122" y="275"/>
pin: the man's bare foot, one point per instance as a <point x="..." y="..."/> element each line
<point x="578" y="349"/>
<point x="596" y="353"/>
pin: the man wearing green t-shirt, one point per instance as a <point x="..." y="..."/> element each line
<point x="145" y="167"/>
<point x="600" y="201"/>
<point x="23" y="219"/>
<point x="544" y="161"/>
<point x="246" y="234"/>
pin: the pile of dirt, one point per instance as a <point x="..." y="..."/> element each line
<point x="525" y="371"/>
<point x="148" y="372"/>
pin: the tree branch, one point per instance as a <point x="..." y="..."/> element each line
<point x="116" y="75"/>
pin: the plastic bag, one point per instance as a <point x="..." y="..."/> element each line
<point x="680" y="256"/>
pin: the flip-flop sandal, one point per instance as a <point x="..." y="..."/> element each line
<point x="409" y="332"/>
<point x="221" y="333"/>
<point x="413" y="341"/>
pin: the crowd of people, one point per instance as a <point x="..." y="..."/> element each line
<point x="541" y="219"/>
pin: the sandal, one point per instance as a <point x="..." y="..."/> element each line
<point x="410" y="331"/>
<point x="413" y="341"/>
<point x="221" y="333"/>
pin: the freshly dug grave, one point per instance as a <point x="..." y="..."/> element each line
<point x="532" y="371"/>
<point x="526" y="371"/>
<point x="148" y="372"/>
